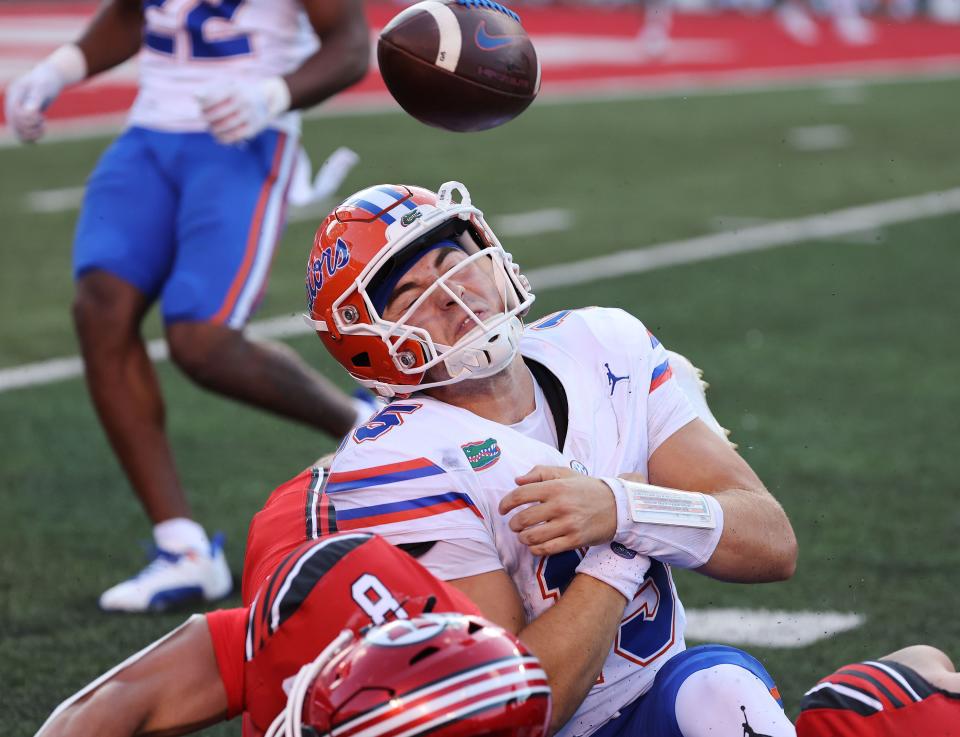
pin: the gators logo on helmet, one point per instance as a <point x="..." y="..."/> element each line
<point x="360" y="251"/>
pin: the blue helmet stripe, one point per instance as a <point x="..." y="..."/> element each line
<point x="397" y="196"/>
<point x="373" y="210"/>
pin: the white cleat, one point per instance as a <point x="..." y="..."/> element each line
<point x="690" y="379"/>
<point x="173" y="580"/>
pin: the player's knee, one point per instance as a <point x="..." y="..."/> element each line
<point x="199" y="350"/>
<point x="725" y="698"/>
<point x="191" y="350"/>
<point x="100" y="309"/>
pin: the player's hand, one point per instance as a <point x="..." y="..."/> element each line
<point x="28" y="96"/>
<point x="568" y="510"/>
<point x="238" y="113"/>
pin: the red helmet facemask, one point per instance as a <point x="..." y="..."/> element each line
<point x="448" y="675"/>
<point x="365" y="246"/>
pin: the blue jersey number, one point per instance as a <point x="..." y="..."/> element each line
<point x="550" y="321"/>
<point x="384" y="421"/>
<point x="555" y="572"/>
<point x="647" y="632"/>
<point x="200" y="48"/>
<point x="643" y="635"/>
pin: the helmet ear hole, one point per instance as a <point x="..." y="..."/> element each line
<point x="361" y="360"/>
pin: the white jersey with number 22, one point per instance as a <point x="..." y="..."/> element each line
<point x="193" y="46"/>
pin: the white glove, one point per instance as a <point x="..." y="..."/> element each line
<point x="238" y="113"/>
<point x="28" y="96"/>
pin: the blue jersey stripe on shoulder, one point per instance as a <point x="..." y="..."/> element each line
<point x="383" y="479"/>
<point x="404" y="505"/>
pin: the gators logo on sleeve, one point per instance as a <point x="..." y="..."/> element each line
<point x="482" y="454"/>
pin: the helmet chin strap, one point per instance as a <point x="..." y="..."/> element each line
<point x="491" y="354"/>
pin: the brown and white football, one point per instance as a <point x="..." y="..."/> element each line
<point x="462" y="65"/>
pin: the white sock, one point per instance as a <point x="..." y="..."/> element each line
<point x="180" y="534"/>
<point x="729" y="700"/>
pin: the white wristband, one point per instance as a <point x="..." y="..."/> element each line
<point x="682" y="528"/>
<point x="69" y="62"/>
<point x="616" y="566"/>
<point x="277" y="95"/>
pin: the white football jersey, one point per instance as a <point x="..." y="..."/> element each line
<point x="193" y="46"/>
<point x="424" y="470"/>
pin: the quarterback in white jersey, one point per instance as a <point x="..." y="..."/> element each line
<point x="186" y="208"/>
<point x="443" y="472"/>
<point x="520" y="456"/>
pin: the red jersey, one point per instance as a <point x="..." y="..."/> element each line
<point x="321" y="587"/>
<point x="878" y="699"/>
<point x="296" y="512"/>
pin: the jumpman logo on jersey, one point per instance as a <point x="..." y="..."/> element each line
<point x="747" y="729"/>
<point x="612" y="379"/>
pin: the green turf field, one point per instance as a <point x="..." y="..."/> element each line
<point x="835" y="363"/>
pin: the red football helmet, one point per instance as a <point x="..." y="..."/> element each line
<point x="360" y="252"/>
<point x="449" y="675"/>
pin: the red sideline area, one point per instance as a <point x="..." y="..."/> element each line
<point x="707" y="50"/>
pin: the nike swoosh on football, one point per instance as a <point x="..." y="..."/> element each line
<point x="487" y="42"/>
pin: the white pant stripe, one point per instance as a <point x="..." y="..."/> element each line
<point x="269" y="236"/>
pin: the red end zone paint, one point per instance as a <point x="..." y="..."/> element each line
<point x="592" y="48"/>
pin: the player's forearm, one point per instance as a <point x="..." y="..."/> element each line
<point x="341" y="61"/>
<point x="572" y="639"/>
<point x="756" y="543"/>
<point x="113" y="36"/>
<point x="171" y="687"/>
<point x="105" y="713"/>
<point x="113" y="712"/>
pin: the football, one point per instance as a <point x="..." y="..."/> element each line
<point x="462" y="65"/>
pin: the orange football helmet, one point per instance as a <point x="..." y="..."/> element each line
<point x="360" y="252"/>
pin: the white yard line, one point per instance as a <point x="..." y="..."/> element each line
<point x="754" y="238"/>
<point x="536" y="222"/>
<point x="764" y="628"/>
<point x="53" y="200"/>
<point x="623" y="263"/>
<point x="813" y="138"/>
<point x="845" y="92"/>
